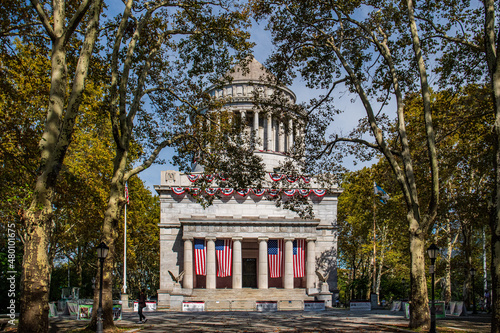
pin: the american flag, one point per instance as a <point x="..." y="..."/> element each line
<point x="200" y="255"/>
<point x="126" y="193"/>
<point x="224" y="253"/>
<point x="275" y="256"/>
<point x="299" y="258"/>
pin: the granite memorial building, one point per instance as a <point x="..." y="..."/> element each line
<point x="243" y="250"/>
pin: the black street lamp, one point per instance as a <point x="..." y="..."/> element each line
<point x="102" y="253"/>
<point x="472" y="273"/>
<point x="403" y="281"/>
<point x="432" y="251"/>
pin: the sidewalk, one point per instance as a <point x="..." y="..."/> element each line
<point x="332" y="320"/>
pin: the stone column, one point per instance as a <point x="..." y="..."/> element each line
<point x="302" y="133"/>
<point x="270" y="132"/>
<point x="211" y="269"/>
<point x="311" y="263"/>
<point x="188" y="264"/>
<point x="237" y="263"/>
<point x="288" y="263"/>
<point x="209" y="125"/>
<point x="281" y="135"/>
<point x="290" y="135"/>
<point x="243" y="115"/>
<point x="263" y="280"/>
<point x="256" y="127"/>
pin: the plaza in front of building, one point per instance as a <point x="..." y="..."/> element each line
<point x="330" y="320"/>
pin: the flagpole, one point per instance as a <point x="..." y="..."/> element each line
<point x="125" y="244"/>
<point x="374" y="245"/>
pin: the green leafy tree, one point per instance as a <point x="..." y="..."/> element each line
<point x="164" y="54"/>
<point x="373" y="49"/>
<point x="468" y="32"/>
<point x="463" y="120"/>
<point x="55" y="26"/>
<point x="371" y="229"/>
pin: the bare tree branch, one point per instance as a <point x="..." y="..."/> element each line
<point x="44" y="19"/>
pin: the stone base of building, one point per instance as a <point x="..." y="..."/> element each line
<point x="244" y="299"/>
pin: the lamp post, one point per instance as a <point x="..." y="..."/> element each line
<point x="432" y="251"/>
<point x="403" y="282"/>
<point x="102" y="253"/>
<point x="472" y="273"/>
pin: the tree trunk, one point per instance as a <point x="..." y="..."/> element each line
<point x="493" y="61"/>
<point x="419" y="305"/>
<point x="110" y="236"/>
<point x="35" y="278"/>
<point x="62" y="112"/>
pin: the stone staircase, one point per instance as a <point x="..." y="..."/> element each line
<point x="248" y="299"/>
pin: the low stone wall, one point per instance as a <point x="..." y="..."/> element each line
<point x="290" y="305"/>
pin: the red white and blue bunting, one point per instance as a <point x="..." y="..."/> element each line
<point x="193" y="190"/>
<point x="178" y="190"/>
<point x="227" y="191"/>
<point x="193" y="178"/>
<point x="209" y="178"/>
<point x="258" y="192"/>
<point x="244" y="192"/>
<point x="276" y="176"/>
<point x="211" y="190"/>
<point x="304" y="192"/>
<point x="319" y="193"/>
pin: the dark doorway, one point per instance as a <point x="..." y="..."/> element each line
<point x="249" y="273"/>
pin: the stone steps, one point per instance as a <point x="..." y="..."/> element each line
<point x="271" y="294"/>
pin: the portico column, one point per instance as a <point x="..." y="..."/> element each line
<point x="208" y="129"/>
<point x="288" y="263"/>
<point x="281" y="135"/>
<point x="302" y="134"/>
<point x="211" y="269"/>
<point x="256" y="128"/>
<point x="290" y="135"/>
<point x="270" y="132"/>
<point x="262" y="283"/>
<point x="237" y="266"/>
<point x="311" y="263"/>
<point x="188" y="263"/>
<point x="243" y="115"/>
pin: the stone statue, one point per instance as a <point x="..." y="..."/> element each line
<point x="176" y="279"/>
<point x="323" y="281"/>
<point x="322" y="278"/>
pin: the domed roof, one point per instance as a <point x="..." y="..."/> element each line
<point x="256" y="72"/>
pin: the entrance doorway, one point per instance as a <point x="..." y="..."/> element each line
<point x="249" y="273"/>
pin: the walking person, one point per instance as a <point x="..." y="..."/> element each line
<point x="142" y="305"/>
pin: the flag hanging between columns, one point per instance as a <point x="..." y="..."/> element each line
<point x="299" y="268"/>
<point x="200" y="256"/>
<point x="275" y="257"/>
<point x="224" y="252"/>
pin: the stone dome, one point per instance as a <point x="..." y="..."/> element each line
<point x="256" y="72"/>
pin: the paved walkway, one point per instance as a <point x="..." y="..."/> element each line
<point x="336" y="320"/>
